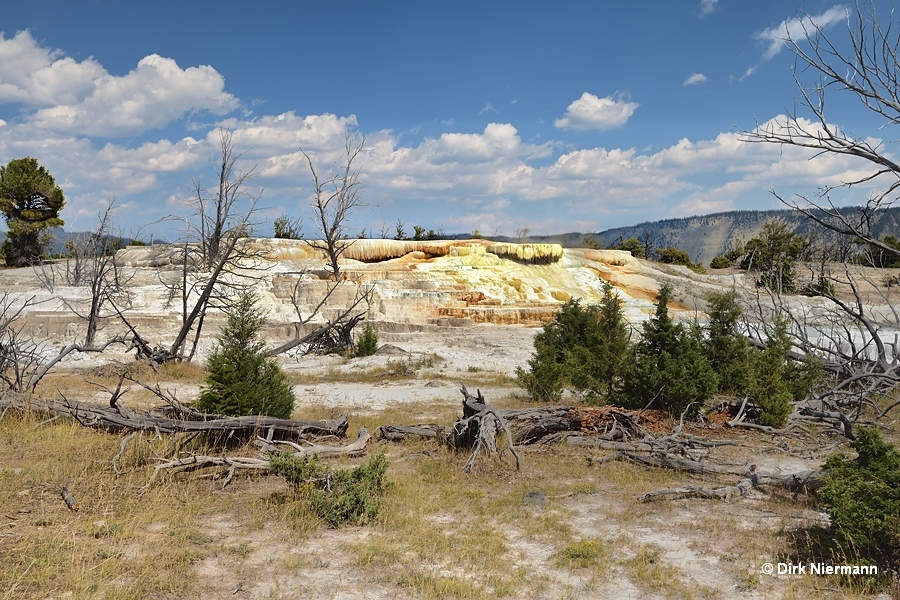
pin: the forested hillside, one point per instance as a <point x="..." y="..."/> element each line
<point x="706" y="236"/>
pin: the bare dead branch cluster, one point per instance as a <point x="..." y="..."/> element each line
<point x="869" y="70"/>
<point x="860" y="348"/>
<point x="335" y="335"/>
<point x="90" y="263"/>
<point x="335" y="196"/>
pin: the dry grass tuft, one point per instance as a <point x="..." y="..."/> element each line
<point x="559" y="528"/>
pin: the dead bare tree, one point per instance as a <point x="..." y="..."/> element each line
<point x="19" y="354"/>
<point x="24" y="362"/>
<point x="220" y="213"/>
<point x="214" y="262"/>
<point x="91" y="263"/>
<point x="850" y="336"/>
<point x="335" y="196"/>
<point x="869" y="69"/>
<point x="335" y="334"/>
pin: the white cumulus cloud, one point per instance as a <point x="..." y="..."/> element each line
<point x="797" y="28"/>
<point x="695" y="79"/>
<point x="157" y="92"/>
<point x="590" y="112"/>
<point x="708" y="7"/>
<point x="36" y="76"/>
<point x="82" y="98"/>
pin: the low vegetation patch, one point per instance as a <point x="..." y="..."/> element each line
<point x="367" y="343"/>
<point x="582" y="554"/>
<point x="337" y="496"/>
<point x="863" y="499"/>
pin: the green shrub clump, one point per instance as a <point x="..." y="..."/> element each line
<point x="726" y="349"/>
<point x="637" y="248"/>
<point x="863" y="500"/>
<point x="339" y="497"/>
<point x="667" y="367"/>
<point x="241" y="379"/>
<point x="367" y="344"/>
<point x="768" y="377"/>
<point x="583" y="349"/>
<point x="720" y="262"/>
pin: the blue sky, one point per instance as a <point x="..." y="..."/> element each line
<point x="488" y="115"/>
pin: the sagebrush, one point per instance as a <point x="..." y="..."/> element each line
<point x="337" y="496"/>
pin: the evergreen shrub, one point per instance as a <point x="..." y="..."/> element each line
<point x="241" y="379"/>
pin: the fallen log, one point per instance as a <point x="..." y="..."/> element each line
<point x="530" y="425"/>
<point x="114" y="419"/>
<point x="680" y="464"/>
<point x="480" y="424"/>
<point x="596" y="442"/>
<point x="396" y="433"/>
<point x="695" y="491"/>
<point x="798" y="482"/>
<point x="676" y="442"/>
<point x="357" y="448"/>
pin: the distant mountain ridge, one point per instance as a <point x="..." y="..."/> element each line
<point x="706" y="236"/>
<point x="703" y="237"/>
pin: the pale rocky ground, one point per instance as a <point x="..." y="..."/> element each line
<point x="474" y="314"/>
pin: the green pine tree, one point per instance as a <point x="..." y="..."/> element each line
<point x="667" y="366"/>
<point x="583" y="348"/>
<point x="241" y="379"/>
<point x="726" y="349"/>
<point x="31" y="201"/>
<point x="776" y="380"/>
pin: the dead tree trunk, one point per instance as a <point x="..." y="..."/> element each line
<point x="114" y="418"/>
<point x="478" y="429"/>
<point x="801" y="481"/>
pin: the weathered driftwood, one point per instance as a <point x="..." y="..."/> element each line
<point x="478" y="429"/>
<point x="801" y="481"/>
<point x="115" y="419"/>
<point x="258" y="464"/>
<point x="396" y="433"/>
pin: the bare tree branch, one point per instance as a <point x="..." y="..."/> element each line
<point x="335" y="197"/>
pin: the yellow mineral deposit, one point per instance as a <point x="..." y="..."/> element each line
<point x="424" y="281"/>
